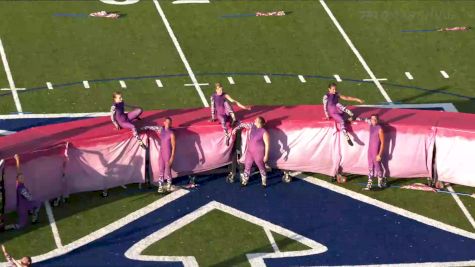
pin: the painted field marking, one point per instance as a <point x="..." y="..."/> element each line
<point x="14" y="89"/>
<point x="11" y="83"/>
<point x="271" y="240"/>
<point x="181" y="54"/>
<point x="122" y="84"/>
<point x="230" y="80"/>
<point x="337" y="78"/>
<point x="159" y="83"/>
<point x="444" y="74"/>
<point x="462" y="206"/>
<point x="49" y="85"/>
<point x="267" y="79"/>
<point x="190" y="2"/>
<point x="379" y="79"/>
<point x="52" y="224"/>
<point x="193" y="84"/>
<point x="409" y="75"/>
<point x="86" y="84"/>
<point x="302" y="79"/>
<point x="355" y="51"/>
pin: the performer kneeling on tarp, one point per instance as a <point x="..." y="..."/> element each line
<point x="257" y="149"/>
<point x="167" y="153"/>
<point x="375" y="152"/>
<point x="24" y="201"/>
<point x="121" y="119"/>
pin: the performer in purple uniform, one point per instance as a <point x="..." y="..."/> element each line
<point x="375" y="152"/>
<point x="221" y="109"/>
<point x="167" y="153"/>
<point x="24" y="201"/>
<point x="335" y="110"/>
<point x="24" y="262"/>
<point x="121" y="119"/>
<point x="257" y="149"/>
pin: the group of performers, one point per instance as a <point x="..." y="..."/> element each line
<point x="257" y="140"/>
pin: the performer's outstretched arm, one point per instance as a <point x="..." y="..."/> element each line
<point x="230" y="99"/>
<point x="242" y="125"/>
<point x="350" y="98"/>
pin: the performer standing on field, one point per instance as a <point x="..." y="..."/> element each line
<point x="24" y="201"/>
<point x="257" y="149"/>
<point x="221" y="109"/>
<point x="335" y="110"/>
<point x="121" y="119"/>
<point x="167" y="153"/>
<point x="375" y="152"/>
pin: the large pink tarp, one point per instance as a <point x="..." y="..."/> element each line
<point x="99" y="157"/>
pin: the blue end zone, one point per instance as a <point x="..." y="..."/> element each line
<point x="19" y="124"/>
<point x="354" y="232"/>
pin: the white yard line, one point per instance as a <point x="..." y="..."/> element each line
<point x="337" y="78"/>
<point x="159" y="83"/>
<point x="180" y="53"/>
<point x="190" y="2"/>
<point x="193" y="84"/>
<point x="11" y="83"/>
<point x="444" y="74"/>
<point x="379" y="79"/>
<point x="409" y="75"/>
<point x="355" y="51"/>
<point x="231" y="80"/>
<point x="302" y="79"/>
<point x="462" y="206"/>
<point x="52" y="224"/>
<point x="267" y="79"/>
<point x="57" y="115"/>
<point x="271" y="240"/>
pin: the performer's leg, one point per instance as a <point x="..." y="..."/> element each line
<point x="230" y="112"/>
<point x="168" y="175"/>
<point x="222" y="120"/>
<point x="134" y="114"/>
<point x="161" y="173"/>
<point x="131" y="126"/>
<point x="339" y="118"/>
<point x="258" y="159"/>
<point x="247" y="169"/>
<point x="378" y="172"/>
<point x="344" y="109"/>
<point x="370" y="176"/>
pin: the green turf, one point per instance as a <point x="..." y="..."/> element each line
<point x="436" y="206"/>
<point x="286" y="244"/>
<point x="215" y="239"/>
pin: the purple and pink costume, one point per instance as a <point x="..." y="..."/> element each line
<point x="374" y="166"/>
<point x="165" y="154"/>
<point x="24" y="204"/>
<point x="334" y="109"/>
<point x="255" y="149"/>
<point x="221" y="109"/>
<point x="123" y="119"/>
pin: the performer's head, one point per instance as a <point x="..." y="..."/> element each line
<point x="20" y="178"/>
<point x="25" y="261"/>
<point x="219" y="88"/>
<point x="259" y="122"/>
<point x="117" y="97"/>
<point x="332" y="88"/>
<point x="167" y="123"/>
<point x="374" y="119"/>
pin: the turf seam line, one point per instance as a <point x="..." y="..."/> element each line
<point x="355" y="51"/>
<point x="52" y="224"/>
<point x="11" y="82"/>
<point x="180" y="53"/>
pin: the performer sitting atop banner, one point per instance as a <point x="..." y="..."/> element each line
<point x="24" y="201"/>
<point x="257" y="149"/>
<point x="221" y="108"/>
<point x="334" y="109"/>
<point x="121" y="119"/>
<point x="24" y="262"/>
<point x="375" y="152"/>
<point x="167" y="153"/>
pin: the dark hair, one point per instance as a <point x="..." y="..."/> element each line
<point x="261" y="120"/>
<point x="116" y="93"/>
<point x="331" y="85"/>
<point x="375" y="115"/>
<point x="29" y="260"/>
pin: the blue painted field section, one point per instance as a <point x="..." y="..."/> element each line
<point x="18" y="124"/>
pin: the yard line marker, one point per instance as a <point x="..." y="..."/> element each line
<point x="462" y="206"/>
<point x="302" y="79"/>
<point x="193" y="84"/>
<point x="271" y="239"/>
<point x="267" y="79"/>
<point x="49" y="85"/>
<point x="444" y="74"/>
<point x="190" y="2"/>
<point x="86" y="84"/>
<point x="230" y="80"/>
<point x="357" y="54"/>
<point x="122" y="84"/>
<point x="379" y="79"/>
<point x="16" y="89"/>
<point x="181" y="54"/>
<point x="159" y="83"/>
<point x="409" y="76"/>
<point x="52" y="224"/>
<point x="337" y="78"/>
<point x="11" y="83"/>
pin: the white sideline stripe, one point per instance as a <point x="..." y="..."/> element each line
<point x="52" y="224"/>
<point x="386" y="206"/>
<point x="271" y="240"/>
<point x="122" y="84"/>
<point x="256" y="259"/>
<point x="409" y="76"/>
<point x="193" y="84"/>
<point x="190" y="2"/>
<point x="267" y="79"/>
<point x="181" y="54"/>
<point x="54" y="115"/>
<point x="112" y="227"/>
<point x="337" y="78"/>
<point x="86" y="84"/>
<point x="302" y="79"/>
<point x="11" y="83"/>
<point x="444" y="74"/>
<point x="462" y="206"/>
<point x="379" y="79"/>
<point x="355" y="51"/>
<point x="49" y="85"/>
<point x="159" y="83"/>
<point x="230" y="80"/>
